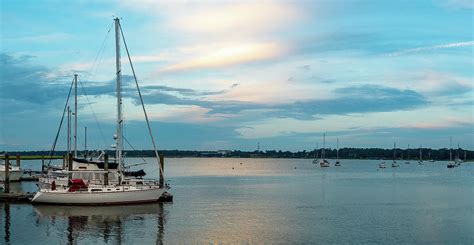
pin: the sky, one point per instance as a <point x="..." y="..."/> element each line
<point x="227" y="75"/>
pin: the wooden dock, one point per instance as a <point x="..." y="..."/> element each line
<point x="16" y="197"/>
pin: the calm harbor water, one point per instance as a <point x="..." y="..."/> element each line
<point x="268" y="201"/>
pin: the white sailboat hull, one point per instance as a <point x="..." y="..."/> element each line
<point x="144" y="195"/>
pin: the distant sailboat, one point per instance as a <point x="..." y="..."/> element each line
<point x="382" y="165"/>
<point x="451" y="164"/>
<point x="429" y="157"/>
<point x="316" y="157"/>
<point x="408" y="155"/>
<point x="338" y="163"/>
<point x="394" y="163"/>
<point x="458" y="160"/>
<point x="420" y="161"/>
<point x="323" y="162"/>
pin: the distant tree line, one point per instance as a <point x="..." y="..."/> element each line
<point x="345" y="153"/>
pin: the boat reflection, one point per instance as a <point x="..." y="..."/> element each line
<point x="107" y="222"/>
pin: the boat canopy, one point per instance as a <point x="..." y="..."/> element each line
<point x="76" y="184"/>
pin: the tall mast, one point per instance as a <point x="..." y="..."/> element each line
<point x="408" y="152"/>
<point x="337" y="151"/>
<point x="86" y="154"/>
<point x="457" y="152"/>
<point x="394" y="146"/>
<point x="68" y="130"/>
<point x="421" y="156"/>
<point x="317" y="148"/>
<point x="119" y="140"/>
<point x="450" y="148"/>
<point x="323" y="155"/>
<point x="75" y="115"/>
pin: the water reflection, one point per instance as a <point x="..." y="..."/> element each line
<point x="111" y="223"/>
<point x="6" y="209"/>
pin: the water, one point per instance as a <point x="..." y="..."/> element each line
<point x="278" y="201"/>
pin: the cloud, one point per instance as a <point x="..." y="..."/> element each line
<point x="443" y="84"/>
<point x="229" y="54"/>
<point x="436" y="47"/>
<point x="187" y="91"/>
<point x="357" y="99"/>
<point x="458" y="4"/>
<point x="52" y="37"/>
<point x="27" y="87"/>
<point x="216" y="18"/>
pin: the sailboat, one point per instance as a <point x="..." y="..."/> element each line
<point x="420" y="161"/>
<point x="86" y="168"/>
<point x="408" y="155"/>
<point x="323" y="162"/>
<point x="382" y="165"/>
<point x="429" y="157"/>
<point x="458" y="160"/>
<point x="451" y="164"/>
<point x="316" y="161"/>
<point x="338" y="163"/>
<point x="394" y="163"/>
<point x="126" y="190"/>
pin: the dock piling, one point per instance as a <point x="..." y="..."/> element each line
<point x="162" y="169"/>
<point x="7" y="174"/>
<point x="42" y="163"/>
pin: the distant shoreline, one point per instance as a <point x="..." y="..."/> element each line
<point x="344" y="153"/>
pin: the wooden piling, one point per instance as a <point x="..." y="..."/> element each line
<point x="42" y="163"/>
<point x="64" y="161"/>
<point x="18" y="160"/>
<point x="106" y="169"/>
<point x="162" y="169"/>
<point x="7" y="174"/>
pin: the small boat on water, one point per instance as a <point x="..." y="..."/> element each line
<point x="323" y="163"/>
<point x="458" y="160"/>
<point x="394" y="163"/>
<point x="451" y="163"/>
<point x="382" y="165"/>
<point x="316" y="157"/>
<point x="338" y="163"/>
<point x="420" y="160"/>
<point x="124" y="190"/>
<point x="408" y="155"/>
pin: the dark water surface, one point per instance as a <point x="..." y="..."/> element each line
<point x="278" y="201"/>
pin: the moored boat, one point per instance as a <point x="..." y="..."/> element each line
<point x="338" y="163"/>
<point x="123" y="190"/>
<point x="79" y="193"/>
<point x="394" y="163"/>
<point x="323" y="162"/>
<point x="15" y="173"/>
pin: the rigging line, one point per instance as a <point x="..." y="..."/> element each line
<point x="143" y="105"/>
<point x="53" y="147"/>
<point x="93" y="114"/>
<point x="94" y="65"/>
<point x="101" y="50"/>
<point x="131" y="146"/>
